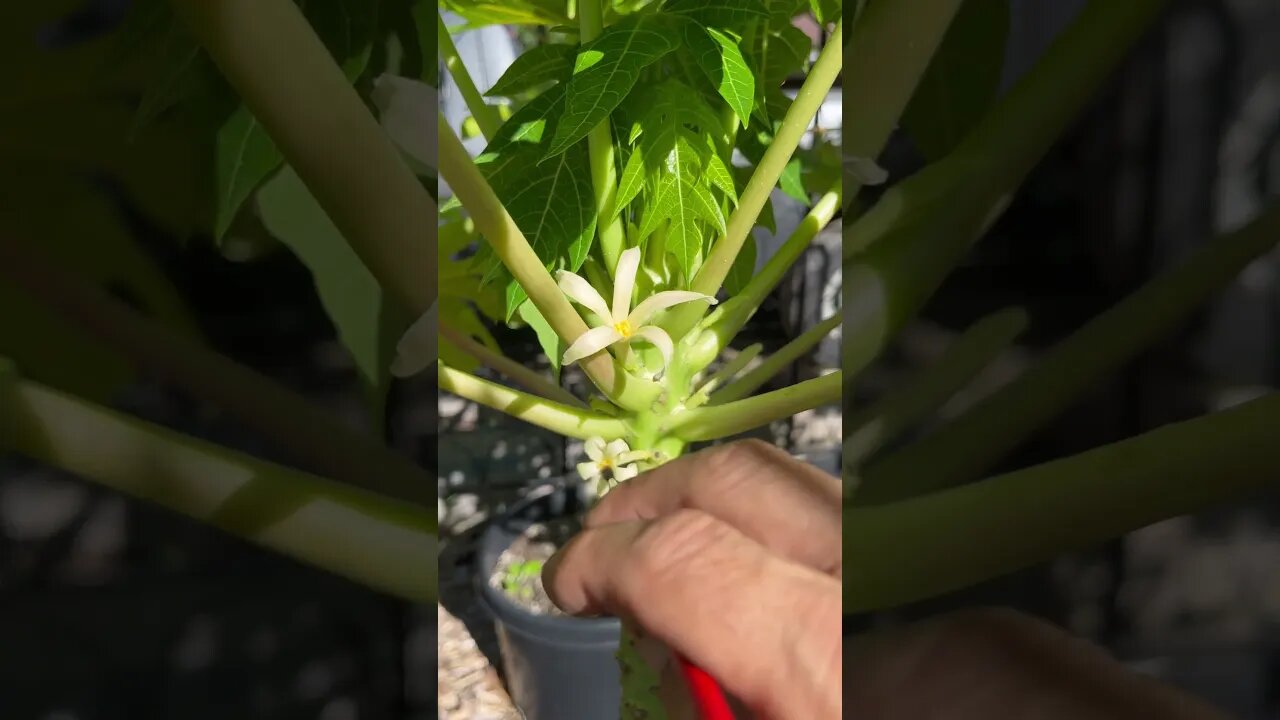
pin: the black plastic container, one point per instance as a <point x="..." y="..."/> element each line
<point x="557" y="668"/>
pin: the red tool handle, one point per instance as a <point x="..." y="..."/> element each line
<point x="707" y="695"/>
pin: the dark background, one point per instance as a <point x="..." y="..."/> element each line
<point x="1184" y="145"/>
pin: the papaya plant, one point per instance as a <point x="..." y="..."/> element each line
<point x="263" y="128"/>
<point x="922" y="518"/>
<point x="629" y="154"/>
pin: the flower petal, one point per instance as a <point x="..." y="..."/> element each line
<point x="590" y="343"/>
<point x="580" y="291"/>
<point x="624" y="281"/>
<point x="417" y="350"/>
<point x="662" y="301"/>
<point x="616" y="448"/>
<point x="624" y="473"/>
<point x="660" y="340"/>
<point x="594" y="448"/>
<point x="588" y="470"/>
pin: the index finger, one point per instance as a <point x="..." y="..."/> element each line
<point x="766" y="628"/>
<point x="786" y="505"/>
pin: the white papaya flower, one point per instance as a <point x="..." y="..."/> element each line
<point x="621" y="323"/>
<point x="417" y="349"/>
<point x="608" y="463"/>
<point x="407" y="109"/>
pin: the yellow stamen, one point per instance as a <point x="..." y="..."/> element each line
<point x="624" y="329"/>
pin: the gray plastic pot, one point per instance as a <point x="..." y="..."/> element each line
<point x="557" y="668"/>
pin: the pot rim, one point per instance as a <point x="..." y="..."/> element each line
<point x="501" y="608"/>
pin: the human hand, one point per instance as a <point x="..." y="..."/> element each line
<point x="730" y="557"/>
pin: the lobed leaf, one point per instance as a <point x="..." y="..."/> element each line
<point x="606" y="71"/>
<point x="508" y="12"/>
<point x="721" y="60"/>
<point x="551" y="201"/>
<point x="536" y="67"/>
<point x="721" y="14"/>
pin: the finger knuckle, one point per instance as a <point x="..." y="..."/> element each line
<point x="729" y="466"/>
<point x="679" y="542"/>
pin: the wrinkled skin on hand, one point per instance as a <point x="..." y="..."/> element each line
<point x="732" y="557"/>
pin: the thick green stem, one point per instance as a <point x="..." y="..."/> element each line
<point x="386" y="545"/>
<point x="509" y="244"/>
<point x="968" y="447"/>
<point x="801" y="113"/>
<point x="564" y="420"/>
<point x="920" y="548"/>
<point x="777" y="362"/>
<point x="312" y="437"/>
<point x="725" y="374"/>
<point x="530" y="379"/>
<point x="925" y="226"/>
<point x="738" y="310"/>
<point x="485" y="115"/>
<point x="721" y="421"/>
<point x="604" y="176"/>
<point x="889" y="50"/>
<point x="923" y="393"/>
<point x="294" y="88"/>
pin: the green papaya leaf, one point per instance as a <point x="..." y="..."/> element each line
<point x="826" y="11"/>
<point x="246" y="157"/>
<point x="605" y="72"/>
<point x="508" y="12"/>
<point x="720" y="14"/>
<point x="962" y="79"/>
<point x="368" y="323"/>
<point x="551" y="201"/>
<point x="682" y="197"/>
<point x="718" y="175"/>
<point x="776" y="50"/>
<point x="551" y="343"/>
<point x="792" y="182"/>
<point x="722" y="61"/>
<point x="535" y="67"/>
<point x="633" y="178"/>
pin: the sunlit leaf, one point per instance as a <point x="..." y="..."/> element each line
<point x="605" y="72"/>
<point x="508" y="12"/>
<point x="682" y="198"/>
<point x="534" y="68"/>
<point x="552" y="202"/>
<point x="720" y="14"/>
<point x="551" y="343"/>
<point x="776" y="50"/>
<point x="721" y="60"/>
